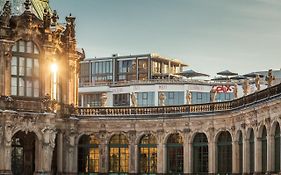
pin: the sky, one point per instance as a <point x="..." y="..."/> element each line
<point x="208" y="35"/>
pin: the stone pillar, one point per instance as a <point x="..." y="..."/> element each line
<point x="258" y="162"/>
<point x="60" y="153"/>
<point x="6" y="147"/>
<point x="235" y="157"/>
<point x="187" y="155"/>
<point x="70" y="155"/>
<point x="5" y="166"/>
<point x="103" y="165"/>
<point x="161" y="152"/>
<point x="212" y="156"/>
<point x="160" y="158"/>
<point x="132" y="153"/>
<point x="44" y="150"/>
<point x="270" y="152"/>
<point x="136" y="158"/>
<point x="246" y="156"/>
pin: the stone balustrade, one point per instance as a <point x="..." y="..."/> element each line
<point x="182" y="109"/>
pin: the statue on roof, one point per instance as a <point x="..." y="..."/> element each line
<point x="235" y="91"/>
<point x="245" y="87"/>
<point x="27" y="5"/>
<point x="213" y="94"/>
<point x="6" y="14"/>
<point x="162" y="99"/>
<point x="134" y="99"/>
<point x="188" y="97"/>
<point x="47" y="19"/>
<point x="269" y="78"/>
<point x="55" y="18"/>
<point x="257" y="82"/>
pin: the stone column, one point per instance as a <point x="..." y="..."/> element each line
<point x="70" y="156"/>
<point x="212" y="156"/>
<point x="132" y="137"/>
<point x="270" y="152"/>
<point x="258" y="162"/>
<point x="187" y="155"/>
<point x="6" y="148"/>
<point x="246" y="156"/>
<point x="103" y="165"/>
<point x="60" y="153"/>
<point x="235" y="157"/>
<point x="161" y="149"/>
<point x="136" y="158"/>
<point x="44" y="150"/>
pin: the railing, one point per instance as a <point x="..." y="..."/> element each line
<point x="193" y="109"/>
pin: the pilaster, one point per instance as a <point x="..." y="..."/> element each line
<point x="235" y="157"/>
<point x="258" y="151"/>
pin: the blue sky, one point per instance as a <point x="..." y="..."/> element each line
<point x="209" y="35"/>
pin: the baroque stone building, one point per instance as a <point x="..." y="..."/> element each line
<point x="42" y="132"/>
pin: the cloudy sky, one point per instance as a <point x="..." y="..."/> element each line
<point x="209" y="35"/>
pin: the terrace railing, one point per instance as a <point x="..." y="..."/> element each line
<point x="193" y="109"/>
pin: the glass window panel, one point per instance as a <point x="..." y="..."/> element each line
<point x="36" y="67"/>
<point x="29" y="47"/>
<point x="21" y="87"/>
<point x="14" y="66"/>
<point x="14" y="86"/>
<point x="28" y="67"/>
<point x="21" y="46"/>
<point x="36" y="50"/>
<point x="36" y="88"/>
<point x="15" y="48"/>
<point x="224" y="147"/>
<point x="29" y="88"/>
<point x="21" y="66"/>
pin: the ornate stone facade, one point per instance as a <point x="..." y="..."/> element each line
<point x="46" y="134"/>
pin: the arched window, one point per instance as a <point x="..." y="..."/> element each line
<point x="118" y="154"/>
<point x="252" y="151"/>
<point x="224" y="154"/>
<point x="175" y="154"/>
<point x="148" y="155"/>
<point x="277" y="148"/>
<point x="240" y="147"/>
<point x="200" y="153"/>
<point x="17" y="156"/>
<point x="264" y="150"/>
<point x="88" y="155"/>
<point x="25" y="69"/>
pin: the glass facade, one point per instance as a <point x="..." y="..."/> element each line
<point x="143" y="69"/>
<point x="175" y="154"/>
<point x="264" y="150"/>
<point x="200" y="97"/>
<point x="88" y="155"/>
<point x="200" y="154"/>
<point x="121" y="99"/>
<point x="127" y="70"/>
<point x="118" y="154"/>
<point x="101" y="71"/>
<point x="146" y="98"/>
<point x="252" y="151"/>
<point x="277" y="148"/>
<point x="224" y="147"/>
<point x="25" y="69"/>
<point x="148" y="155"/>
<point x="173" y="98"/>
<point x="90" y="100"/>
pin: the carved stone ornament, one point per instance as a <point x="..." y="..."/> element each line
<point x="9" y="102"/>
<point x="6" y="14"/>
<point x="49" y="136"/>
<point x="48" y="104"/>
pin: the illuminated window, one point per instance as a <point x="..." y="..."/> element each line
<point x="175" y="154"/>
<point x="200" y="153"/>
<point x="148" y="155"/>
<point x="88" y="155"/>
<point x="118" y="154"/>
<point x="25" y="69"/>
